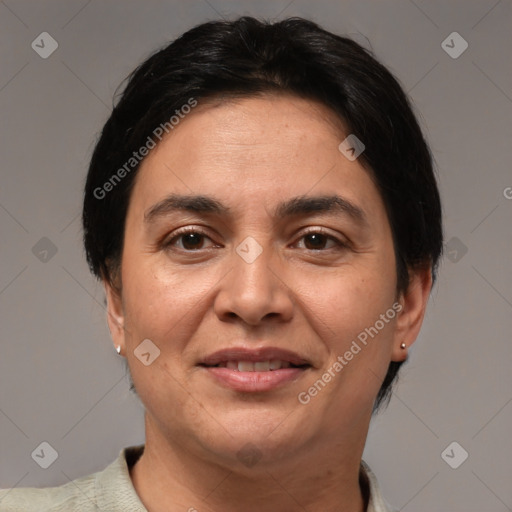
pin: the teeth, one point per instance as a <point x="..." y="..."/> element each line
<point x="245" y="366"/>
<point x="260" y="366"/>
<point x="275" y="364"/>
<point x="263" y="366"/>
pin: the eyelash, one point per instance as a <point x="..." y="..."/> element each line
<point x="182" y="232"/>
<point x="320" y="231"/>
<point x="315" y="231"/>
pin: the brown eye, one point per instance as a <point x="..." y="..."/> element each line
<point x="190" y="240"/>
<point x="316" y="240"/>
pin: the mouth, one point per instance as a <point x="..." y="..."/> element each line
<point x="265" y="359"/>
<point x="255" y="370"/>
<point x="270" y="365"/>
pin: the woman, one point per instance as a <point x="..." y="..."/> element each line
<point x="262" y="210"/>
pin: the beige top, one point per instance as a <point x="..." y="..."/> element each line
<point x="111" y="490"/>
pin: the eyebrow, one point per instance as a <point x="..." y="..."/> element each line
<point x="304" y="205"/>
<point x="190" y="203"/>
<point x="296" y="206"/>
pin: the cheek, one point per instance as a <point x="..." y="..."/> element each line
<point x="161" y="301"/>
<point x="157" y="305"/>
<point x="344" y="302"/>
<point x="148" y="301"/>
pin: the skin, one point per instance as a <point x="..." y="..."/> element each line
<point x="252" y="154"/>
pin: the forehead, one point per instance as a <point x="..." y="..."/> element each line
<point x="268" y="126"/>
<point x="260" y="149"/>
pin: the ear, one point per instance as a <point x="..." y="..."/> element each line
<point x="115" y="315"/>
<point x="414" y="303"/>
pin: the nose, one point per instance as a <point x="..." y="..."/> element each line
<point x="253" y="292"/>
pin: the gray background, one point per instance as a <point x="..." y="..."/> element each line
<point x="62" y="382"/>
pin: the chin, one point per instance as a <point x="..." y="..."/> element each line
<point x="250" y="441"/>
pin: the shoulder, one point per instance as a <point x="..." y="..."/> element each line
<point x="75" y="495"/>
<point x="110" y="489"/>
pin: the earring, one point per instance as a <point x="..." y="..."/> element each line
<point x="118" y="349"/>
<point x="403" y="345"/>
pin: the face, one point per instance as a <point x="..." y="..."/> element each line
<point x="256" y="258"/>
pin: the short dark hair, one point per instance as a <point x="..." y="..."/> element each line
<point x="247" y="57"/>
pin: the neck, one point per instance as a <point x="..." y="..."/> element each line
<point x="169" y="477"/>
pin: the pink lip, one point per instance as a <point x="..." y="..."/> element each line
<point x="254" y="381"/>
<point x="254" y="355"/>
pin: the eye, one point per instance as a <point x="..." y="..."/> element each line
<point x="189" y="240"/>
<point x="318" y="240"/>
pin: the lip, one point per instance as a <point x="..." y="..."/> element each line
<point x="254" y="355"/>
<point x="254" y="381"/>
